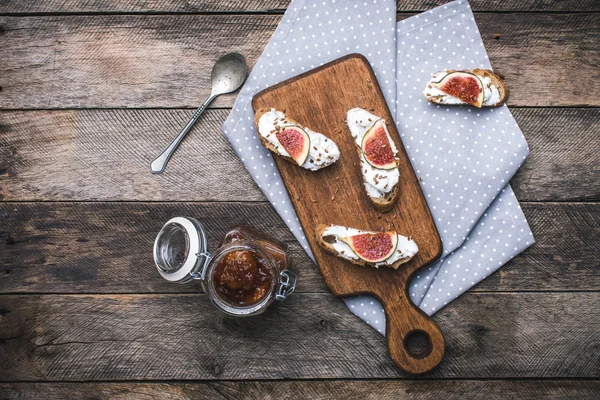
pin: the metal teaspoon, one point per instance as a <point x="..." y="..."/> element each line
<point x="228" y="75"/>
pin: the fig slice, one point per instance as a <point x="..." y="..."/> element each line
<point x="295" y="141"/>
<point x="373" y="247"/>
<point x="376" y="147"/>
<point x="464" y="86"/>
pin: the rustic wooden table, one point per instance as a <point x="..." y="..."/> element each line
<point x="92" y="90"/>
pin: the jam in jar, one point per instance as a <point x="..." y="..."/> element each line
<point x="242" y="277"/>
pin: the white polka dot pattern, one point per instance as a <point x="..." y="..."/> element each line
<point x="465" y="156"/>
<point x="499" y="235"/>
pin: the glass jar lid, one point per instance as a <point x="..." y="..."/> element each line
<point x="181" y="250"/>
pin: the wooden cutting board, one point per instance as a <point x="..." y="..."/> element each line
<point x="319" y="99"/>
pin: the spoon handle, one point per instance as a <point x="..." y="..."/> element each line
<point x="159" y="164"/>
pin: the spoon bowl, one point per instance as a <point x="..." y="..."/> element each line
<point x="228" y="75"/>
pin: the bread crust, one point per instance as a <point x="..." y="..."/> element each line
<point x="496" y="81"/>
<point x="327" y="246"/>
<point x="259" y="113"/>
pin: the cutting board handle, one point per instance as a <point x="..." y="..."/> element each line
<point x="406" y="322"/>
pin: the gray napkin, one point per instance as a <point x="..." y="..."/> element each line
<point x="464" y="156"/>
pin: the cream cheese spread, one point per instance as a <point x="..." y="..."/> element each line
<point x="406" y="247"/>
<point x="323" y="151"/>
<point x="491" y="94"/>
<point x="378" y="182"/>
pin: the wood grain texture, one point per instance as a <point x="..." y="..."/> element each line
<point x="63" y="161"/>
<point x="106" y="155"/>
<point x="314" y="390"/>
<point x="342" y="199"/>
<point x="565" y="153"/>
<point x="106" y="247"/>
<point x="182" y="337"/>
<point x="565" y="255"/>
<point x="122" y="61"/>
<point x="201" y="6"/>
<point x="163" y="60"/>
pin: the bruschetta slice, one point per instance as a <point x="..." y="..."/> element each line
<point x="377" y="154"/>
<point x="479" y="88"/>
<point x="366" y="248"/>
<point x="294" y="142"/>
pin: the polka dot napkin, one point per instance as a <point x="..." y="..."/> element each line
<point x="465" y="156"/>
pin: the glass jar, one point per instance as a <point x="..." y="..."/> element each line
<point x="242" y="277"/>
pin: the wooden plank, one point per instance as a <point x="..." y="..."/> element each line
<point x="315" y="390"/>
<point x="201" y="6"/>
<point x="182" y="337"/>
<point x="565" y="152"/>
<point x="106" y="247"/>
<point x="105" y="155"/>
<point x="164" y="60"/>
<point x="148" y="6"/>
<point x="565" y="255"/>
<point x="76" y="244"/>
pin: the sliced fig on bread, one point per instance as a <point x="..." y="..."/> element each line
<point x="372" y="247"/>
<point x="366" y="248"/>
<point x="479" y="88"/>
<point x="293" y="141"/>
<point x="465" y="86"/>
<point x="376" y="147"/>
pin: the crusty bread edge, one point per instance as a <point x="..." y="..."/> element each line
<point x="319" y="238"/>
<point x="259" y="113"/>
<point x="496" y="81"/>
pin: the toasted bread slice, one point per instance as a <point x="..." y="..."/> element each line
<point x="360" y="122"/>
<point x="387" y="201"/>
<point x="494" y="79"/>
<point x="404" y="252"/>
<point x="320" y="157"/>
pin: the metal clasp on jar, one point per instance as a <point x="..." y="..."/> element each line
<point x="202" y="274"/>
<point x="286" y="286"/>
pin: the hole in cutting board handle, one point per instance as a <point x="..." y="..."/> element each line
<point x="417" y="344"/>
